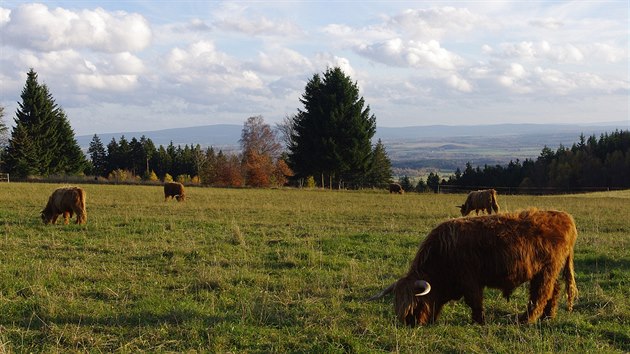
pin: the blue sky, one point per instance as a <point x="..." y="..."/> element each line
<point x="118" y="66"/>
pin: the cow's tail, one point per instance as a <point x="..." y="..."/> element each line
<point x="83" y="217"/>
<point x="495" y="205"/>
<point x="569" y="280"/>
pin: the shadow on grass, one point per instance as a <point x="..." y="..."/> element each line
<point x="600" y="264"/>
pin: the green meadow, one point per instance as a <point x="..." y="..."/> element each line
<point x="278" y="270"/>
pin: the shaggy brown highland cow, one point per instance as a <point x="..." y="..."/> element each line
<point x="480" y="200"/>
<point x="174" y="190"/>
<point x="396" y="188"/>
<point x="66" y="201"/>
<point x="461" y="257"/>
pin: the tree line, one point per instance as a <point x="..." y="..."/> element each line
<point x="259" y="165"/>
<point x="327" y="144"/>
<point x="591" y="162"/>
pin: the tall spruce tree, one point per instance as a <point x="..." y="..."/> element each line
<point x="98" y="155"/>
<point x="331" y="136"/>
<point x="380" y="167"/>
<point x="42" y="142"/>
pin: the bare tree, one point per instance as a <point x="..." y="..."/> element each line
<point x="261" y="153"/>
<point x="285" y="130"/>
<point x="257" y="136"/>
<point x="4" y="130"/>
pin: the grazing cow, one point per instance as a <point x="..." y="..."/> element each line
<point x="462" y="256"/>
<point x="396" y="188"/>
<point x="480" y="200"/>
<point x="174" y="190"/>
<point x="66" y="201"/>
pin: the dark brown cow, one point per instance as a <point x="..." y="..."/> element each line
<point x="461" y="257"/>
<point x="480" y="200"/>
<point x="174" y="190"/>
<point x="66" y="201"/>
<point x="396" y="188"/>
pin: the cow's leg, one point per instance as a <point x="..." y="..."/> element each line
<point x="541" y="288"/>
<point x="54" y="219"/>
<point x="66" y="217"/>
<point x="552" y="305"/>
<point x="474" y="298"/>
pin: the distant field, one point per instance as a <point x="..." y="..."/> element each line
<point x="454" y="152"/>
<point x="244" y="270"/>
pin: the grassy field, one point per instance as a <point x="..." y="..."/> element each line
<point x="240" y="270"/>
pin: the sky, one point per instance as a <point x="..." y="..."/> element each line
<point x="128" y="66"/>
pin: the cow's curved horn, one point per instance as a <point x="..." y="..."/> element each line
<point x="422" y="287"/>
<point x="385" y="291"/>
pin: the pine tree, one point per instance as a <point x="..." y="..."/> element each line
<point x="380" y="167"/>
<point x="98" y="156"/>
<point x="53" y="148"/>
<point x="71" y="160"/>
<point x="112" y="155"/>
<point x="332" y="136"/>
<point x="21" y="156"/>
<point x="433" y="182"/>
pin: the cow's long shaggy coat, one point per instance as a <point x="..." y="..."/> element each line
<point x="480" y="200"/>
<point x="461" y="257"/>
<point x="174" y="190"/>
<point x="66" y="201"/>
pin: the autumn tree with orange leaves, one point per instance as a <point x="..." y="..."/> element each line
<point x="262" y="162"/>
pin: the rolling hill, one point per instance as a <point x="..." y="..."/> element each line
<point x="442" y="147"/>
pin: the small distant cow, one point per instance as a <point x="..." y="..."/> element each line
<point x="66" y="201"/>
<point x="174" y="190"/>
<point x="480" y="200"/>
<point x="461" y="257"/>
<point x="396" y="188"/>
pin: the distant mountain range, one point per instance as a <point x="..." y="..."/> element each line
<point x="415" y="147"/>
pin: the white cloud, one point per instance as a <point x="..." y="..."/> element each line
<point x="119" y="83"/>
<point x="5" y="16"/>
<point x="542" y="50"/>
<point x="327" y="60"/>
<point x="202" y="66"/>
<point x="60" y="29"/>
<point x="281" y="61"/>
<point x="547" y="23"/>
<point x="436" y="23"/>
<point x="459" y="83"/>
<point x="242" y="19"/>
<point x="413" y="54"/>
<point x="126" y="63"/>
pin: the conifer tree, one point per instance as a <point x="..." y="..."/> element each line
<point x="21" y="157"/>
<point x="331" y="136"/>
<point x="42" y="138"/>
<point x="380" y="167"/>
<point x="98" y="156"/>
